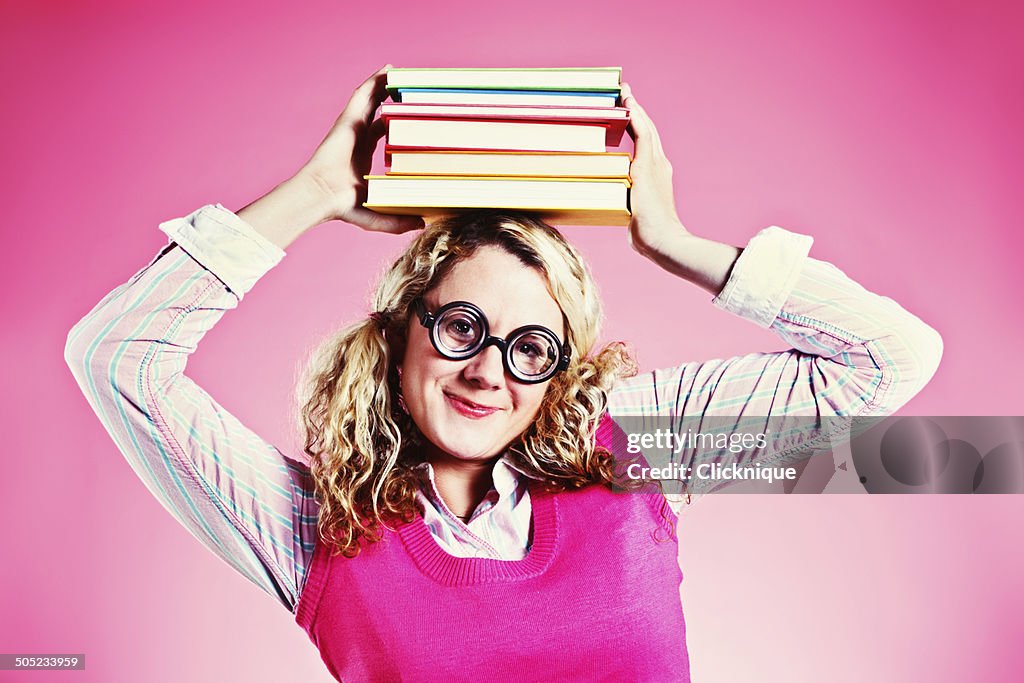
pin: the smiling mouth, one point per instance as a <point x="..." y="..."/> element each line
<point x="468" y="408"/>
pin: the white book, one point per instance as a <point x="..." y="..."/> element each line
<point x="519" y="135"/>
<point x="512" y="98"/>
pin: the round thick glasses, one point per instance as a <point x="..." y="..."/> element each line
<point x="459" y="330"/>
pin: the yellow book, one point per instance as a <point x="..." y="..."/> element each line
<point x="567" y="201"/>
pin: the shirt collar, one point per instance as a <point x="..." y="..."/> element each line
<point x="506" y="475"/>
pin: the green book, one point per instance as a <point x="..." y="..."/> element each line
<point x="589" y="79"/>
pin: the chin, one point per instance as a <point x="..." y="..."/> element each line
<point x="469" y="451"/>
<point x="467" y="443"/>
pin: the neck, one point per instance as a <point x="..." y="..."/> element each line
<point x="462" y="484"/>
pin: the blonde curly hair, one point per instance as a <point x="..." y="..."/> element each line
<point x="363" y="446"/>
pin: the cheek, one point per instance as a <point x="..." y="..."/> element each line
<point x="421" y="370"/>
<point x="529" y="400"/>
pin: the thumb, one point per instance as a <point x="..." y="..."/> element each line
<point x="382" y="222"/>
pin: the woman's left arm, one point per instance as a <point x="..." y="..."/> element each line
<point x="854" y="353"/>
<point x="655" y="230"/>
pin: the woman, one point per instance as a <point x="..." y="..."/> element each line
<point x="455" y="521"/>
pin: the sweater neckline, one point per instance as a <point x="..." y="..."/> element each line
<point x="450" y="570"/>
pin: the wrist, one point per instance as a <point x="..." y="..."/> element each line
<point x="320" y="195"/>
<point x="287" y="211"/>
<point x="706" y="263"/>
<point x="653" y="240"/>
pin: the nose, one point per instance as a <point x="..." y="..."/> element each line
<point x="486" y="369"/>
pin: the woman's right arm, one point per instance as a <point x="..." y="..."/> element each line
<point x="238" y="494"/>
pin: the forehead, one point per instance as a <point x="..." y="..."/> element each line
<point x="510" y="293"/>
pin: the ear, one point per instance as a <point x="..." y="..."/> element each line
<point x="396" y="345"/>
<point x="396" y="337"/>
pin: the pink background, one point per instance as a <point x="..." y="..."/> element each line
<point x="888" y="130"/>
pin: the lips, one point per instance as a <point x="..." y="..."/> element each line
<point x="469" y="409"/>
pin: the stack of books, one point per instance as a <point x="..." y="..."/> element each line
<point x="527" y="139"/>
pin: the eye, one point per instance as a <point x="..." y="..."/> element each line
<point x="533" y="354"/>
<point x="460" y="327"/>
<point x="530" y="350"/>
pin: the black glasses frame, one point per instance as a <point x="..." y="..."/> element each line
<point x="428" y="320"/>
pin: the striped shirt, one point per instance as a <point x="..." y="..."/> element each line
<point x="852" y="353"/>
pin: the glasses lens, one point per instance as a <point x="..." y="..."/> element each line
<point x="534" y="354"/>
<point x="459" y="330"/>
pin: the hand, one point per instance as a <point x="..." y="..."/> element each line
<point x="655" y="230"/>
<point x="346" y="155"/>
<point x="652" y="202"/>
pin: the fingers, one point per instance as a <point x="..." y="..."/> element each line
<point x="365" y="145"/>
<point x="376" y="131"/>
<point x="365" y="99"/>
<point x="645" y="134"/>
<point x="638" y="119"/>
<point x="375" y="82"/>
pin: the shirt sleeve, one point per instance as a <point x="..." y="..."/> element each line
<point x="239" y="495"/>
<point x="853" y="353"/>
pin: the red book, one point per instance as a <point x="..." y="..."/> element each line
<point x="609" y="115"/>
<point x="613" y="120"/>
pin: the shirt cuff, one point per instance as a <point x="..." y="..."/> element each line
<point x="225" y="245"/>
<point x="764" y="275"/>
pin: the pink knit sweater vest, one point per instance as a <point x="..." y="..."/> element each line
<point x="596" y="598"/>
